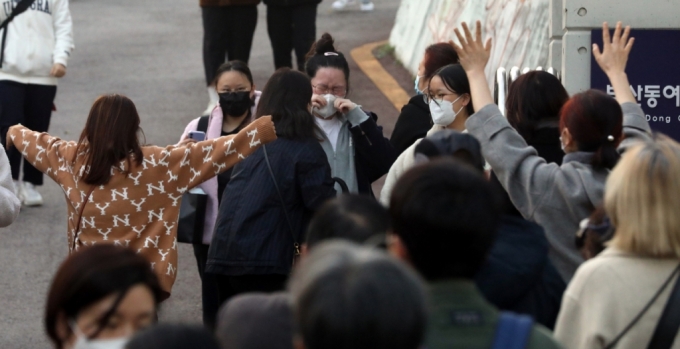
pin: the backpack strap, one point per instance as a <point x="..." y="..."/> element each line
<point x="513" y="331"/>
<point x="22" y="6"/>
<point x="203" y="123"/>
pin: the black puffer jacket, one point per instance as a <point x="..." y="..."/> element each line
<point x="413" y="123"/>
<point x="518" y="275"/>
<point x="252" y="236"/>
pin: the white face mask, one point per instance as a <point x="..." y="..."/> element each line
<point x="443" y="114"/>
<point x="82" y="342"/>
<point x="562" y="144"/>
<point x="329" y="110"/>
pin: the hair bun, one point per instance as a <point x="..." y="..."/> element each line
<point x="325" y="44"/>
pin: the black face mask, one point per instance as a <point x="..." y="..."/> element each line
<point x="235" y="103"/>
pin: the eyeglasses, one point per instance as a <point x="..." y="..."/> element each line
<point x="438" y="98"/>
<point x="240" y="89"/>
<point x="324" y="89"/>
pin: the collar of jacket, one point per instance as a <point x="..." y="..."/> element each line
<point x="458" y="293"/>
<point x="579" y="156"/>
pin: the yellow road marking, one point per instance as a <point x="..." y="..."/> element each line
<point x="363" y="55"/>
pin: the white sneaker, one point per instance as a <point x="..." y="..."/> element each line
<point x="31" y="197"/>
<point x="341" y="4"/>
<point x="367" y="7"/>
<point x="19" y="190"/>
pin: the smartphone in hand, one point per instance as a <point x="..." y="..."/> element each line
<point x="197" y="135"/>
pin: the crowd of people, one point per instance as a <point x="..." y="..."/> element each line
<point x="551" y="226"/>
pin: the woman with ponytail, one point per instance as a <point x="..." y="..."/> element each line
<point x="593" y="128"/>
<point x="357" y="151"/>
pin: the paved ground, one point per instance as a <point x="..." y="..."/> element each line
<point x="151" y="51"/>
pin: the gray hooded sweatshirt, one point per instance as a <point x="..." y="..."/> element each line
<point x="556" y="197"/>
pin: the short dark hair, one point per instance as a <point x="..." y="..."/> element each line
<point x="237" y="66"/>
<point x="355" y="218"/>
<point x="591" y="117"/>
<point x="534" y="97"/>
<point x="455" y="79"/>
<point x="324" y="55"/>
<point x="286" y="97"/>
<point x="174" y="336"/>
<point x="446" y="214"/>
<point x="349" y="297"/>
<point x="90" y="275"/>
<point x="437" y="56"/>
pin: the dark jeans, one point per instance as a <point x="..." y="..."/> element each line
<point x="209" y="294"/>
<point x="30" y="105"/>
<point x="291" y="28"/>
<point x="227" y="35"/>
<point x="230" y="286"/>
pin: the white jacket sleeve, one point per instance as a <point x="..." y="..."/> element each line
<point x="63" y="32"/>
<point x="9" y="203"/>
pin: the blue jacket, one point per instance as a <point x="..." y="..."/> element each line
<point x="252" y="235"/>
<point x="518" y="276"/>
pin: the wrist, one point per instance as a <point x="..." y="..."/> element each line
<point x="617" y="76"/>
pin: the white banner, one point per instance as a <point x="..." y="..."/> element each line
<point x="518" y="28"/>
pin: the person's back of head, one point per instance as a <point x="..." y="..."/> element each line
<point x="355" y="218"/>
<point x="256" y="321"/>
<point x="594" y="122"/>
<point x="350" y="297"/>
<point x="641" y="197"/>
<point x="451" y="143"/>
<point x="174" y="336"/>
<point x="287" y="98"/>
<point x="534" y="99"/>
<point x="110" y="135"/>
<point x="436" y="57"/>
<point x="444" y="215"/>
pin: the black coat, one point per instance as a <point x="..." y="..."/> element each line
<point x="412" y="124"/>
<point x="518" y="276"/>
<point x="374" y="154"/>
<point x="252" y="236"/>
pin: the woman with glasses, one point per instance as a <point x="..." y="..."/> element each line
<point x="237" y="102"/>
<point x="414" y="121"/>
<point x="450" y="104"/>
<point x="357" y="151"/>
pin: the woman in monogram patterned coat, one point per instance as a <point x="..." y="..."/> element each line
<point x="120" y="192"/>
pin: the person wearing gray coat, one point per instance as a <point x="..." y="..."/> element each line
<point x="593" y="126"/>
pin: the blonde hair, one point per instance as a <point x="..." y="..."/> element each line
<point x="642" y="196"/>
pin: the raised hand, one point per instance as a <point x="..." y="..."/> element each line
<point x="344" y="105"/>
<point x="473" y="53"/>
<point x="616" y="49"/>
<point x="613" y="58"/>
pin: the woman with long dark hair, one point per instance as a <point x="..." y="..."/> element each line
<point x="593" y="128"/>
<point x="99" y="297"/>
<point x="272" y="195"/>
<point x="120" y="192"/>
<point x="237" y="103"/>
